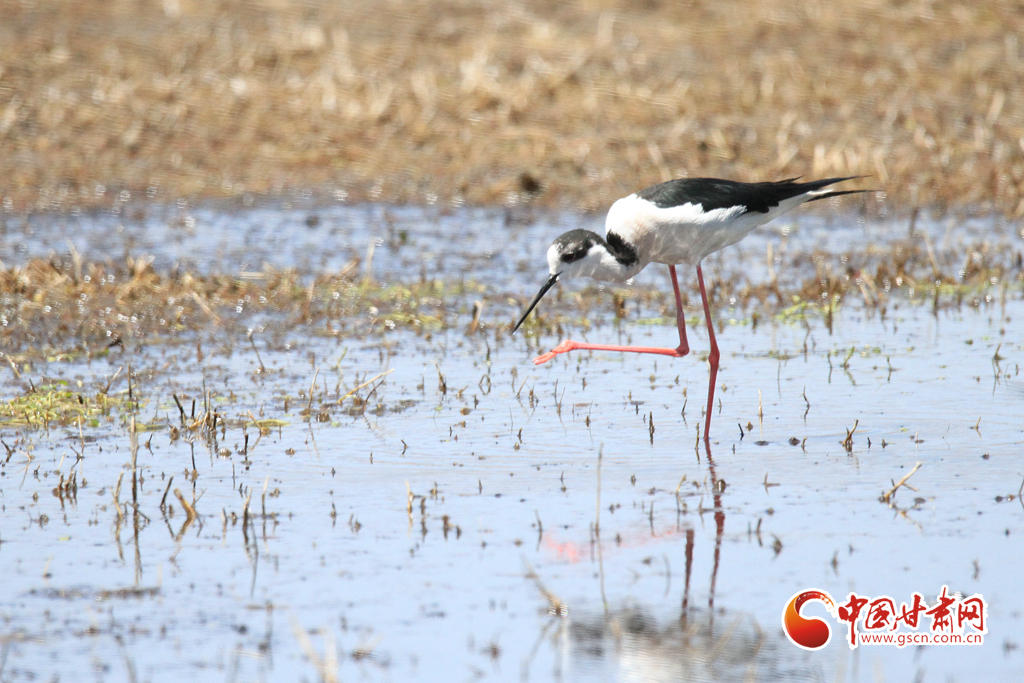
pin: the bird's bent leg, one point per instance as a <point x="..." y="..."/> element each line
<point x="684" y="347"/>
<point x="712" y="356"/>
<point x="570" y="345"/>
<point x="681" y="350"/>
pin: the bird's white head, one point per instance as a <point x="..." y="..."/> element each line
<point x="580" y="253"/>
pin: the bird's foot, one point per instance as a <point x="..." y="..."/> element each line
<point x="565" y="347"/>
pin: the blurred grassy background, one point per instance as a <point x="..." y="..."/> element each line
<point x="566" y="104"/>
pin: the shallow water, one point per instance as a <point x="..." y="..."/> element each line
<point x="531" y="487"/>
<point x="498" y="247"/>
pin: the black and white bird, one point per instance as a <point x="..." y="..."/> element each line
<point x="676" y="222"/>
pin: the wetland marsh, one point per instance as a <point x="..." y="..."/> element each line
<point x="384" y="487"/>
<point x="262" y="417"/>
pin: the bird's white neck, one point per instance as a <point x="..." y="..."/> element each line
<point x="599" y="263"/>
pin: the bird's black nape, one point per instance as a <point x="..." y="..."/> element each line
<point x="543" y="290"/>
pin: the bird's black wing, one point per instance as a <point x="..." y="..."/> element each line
<point x="713" y="193"/>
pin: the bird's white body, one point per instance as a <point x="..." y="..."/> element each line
<point x="685" y="234"/>
<point x="675" y="235"/>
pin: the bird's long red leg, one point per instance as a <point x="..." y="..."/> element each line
<point x="712" y="356"/>
<point x="681" y="350"/>
<point x="684" y="347"/>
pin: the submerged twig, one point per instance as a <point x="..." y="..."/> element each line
<point x="848" y="441"/>
<point x="887" y="497"/>
<point x="366" y="383"/>
<point x="257" y="352"/>
<point x="555" y="604"/>
<point x="189" y="510"/>
<point x="312" y="386"/>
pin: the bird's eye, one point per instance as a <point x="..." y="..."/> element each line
<point x="574" y="255"/>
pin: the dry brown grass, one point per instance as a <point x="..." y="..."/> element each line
<point x="568" y="104"/>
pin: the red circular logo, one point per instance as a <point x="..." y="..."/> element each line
<point x="813" y="633"/>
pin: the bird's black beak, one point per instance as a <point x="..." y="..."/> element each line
<point x="543" y="290"/>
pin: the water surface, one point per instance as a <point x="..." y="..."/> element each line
<point x="480" y="517"/>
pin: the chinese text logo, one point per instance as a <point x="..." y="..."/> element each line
<point x="951" y="620"/>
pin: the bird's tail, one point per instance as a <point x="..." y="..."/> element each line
<point x="835" y="193"/>
<point x="814" y="188"/>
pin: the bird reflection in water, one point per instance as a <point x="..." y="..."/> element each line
<point x="703" y="643"/>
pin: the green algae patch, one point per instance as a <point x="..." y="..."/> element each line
<point x="58" y="404"/>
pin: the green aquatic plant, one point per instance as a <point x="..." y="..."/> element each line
<point x="58" y="403"/>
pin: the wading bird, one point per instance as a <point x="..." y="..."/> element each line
<point x="676" y="222"/>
